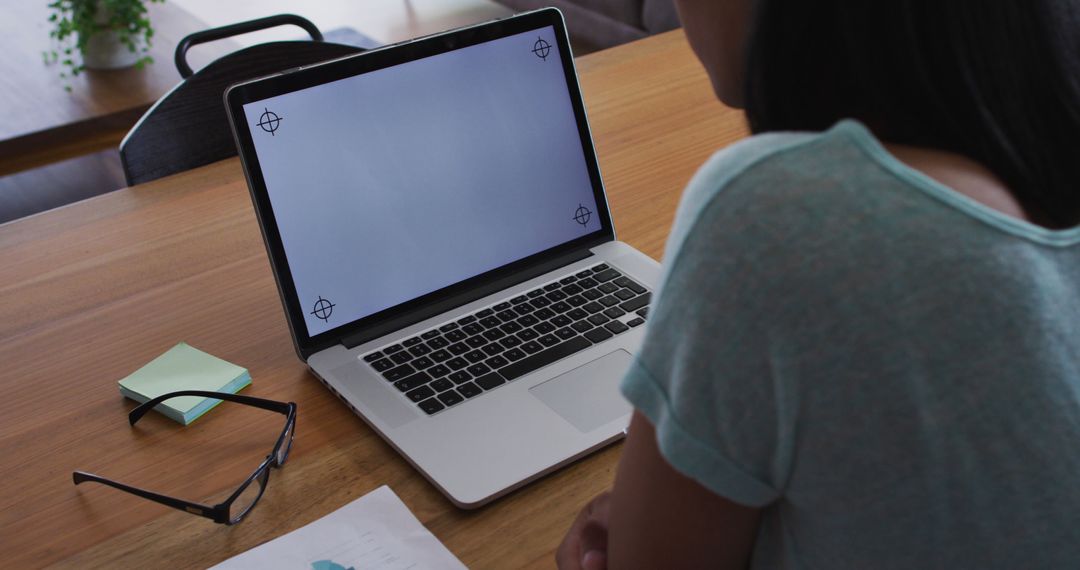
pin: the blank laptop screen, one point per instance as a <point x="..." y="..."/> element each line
<point x="396" y="183"/>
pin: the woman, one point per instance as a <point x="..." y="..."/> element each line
<point x="866" y="349"/>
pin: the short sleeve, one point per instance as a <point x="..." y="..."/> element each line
<point x="706" y="375"/>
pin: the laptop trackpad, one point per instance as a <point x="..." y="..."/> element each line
<point x="588" y="396"/>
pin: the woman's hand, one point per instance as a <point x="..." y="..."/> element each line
<point x="585" y="544"/>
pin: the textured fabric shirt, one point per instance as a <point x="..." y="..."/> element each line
<point x="888" y="368"/>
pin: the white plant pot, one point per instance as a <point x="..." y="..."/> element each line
<point x="105" y="51"/>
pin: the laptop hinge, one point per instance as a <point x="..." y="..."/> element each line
<point x="379" y="329"/>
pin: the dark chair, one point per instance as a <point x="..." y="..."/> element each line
<point x="188" y="127"/>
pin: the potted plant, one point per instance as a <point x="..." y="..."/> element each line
<point x="107" y="34"/>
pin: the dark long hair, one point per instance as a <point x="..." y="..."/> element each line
<point x="997" y="81"/>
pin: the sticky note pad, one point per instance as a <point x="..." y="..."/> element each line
<point x="184" y="367"/>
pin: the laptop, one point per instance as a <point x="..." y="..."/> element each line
<point x="438" y="230"/>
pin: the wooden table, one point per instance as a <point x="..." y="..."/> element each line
<point x="44" y="123"/>
<point x="92" y="291"/>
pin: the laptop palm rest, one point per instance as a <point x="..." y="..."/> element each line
<point x="583" y="396"/>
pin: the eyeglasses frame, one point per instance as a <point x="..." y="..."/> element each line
<point x="218" y="513"/>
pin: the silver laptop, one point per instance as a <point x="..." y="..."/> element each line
<point x="438" y="229"/>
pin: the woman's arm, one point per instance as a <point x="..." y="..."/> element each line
<point x="655" y="517"/>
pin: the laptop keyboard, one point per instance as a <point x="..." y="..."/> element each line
<point x="461" y="359"/>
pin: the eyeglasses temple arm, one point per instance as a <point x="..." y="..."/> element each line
<point x="194" y="508"/>
<point x="140" y="411"/>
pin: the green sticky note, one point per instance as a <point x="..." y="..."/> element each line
<point x="184" y="367"/>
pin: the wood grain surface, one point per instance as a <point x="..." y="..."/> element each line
<point x="44" y="123"/>
<point x="91" y="291"/>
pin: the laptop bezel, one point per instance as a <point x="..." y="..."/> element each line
<point x="442" y="300"/>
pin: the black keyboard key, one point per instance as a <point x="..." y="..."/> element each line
<point x="398" y="373"/>
<point x="494" y="334"/>
<point x="636" y="322"/>
<point x="392" y="348"/>
<point x="497" y="362"/>
<point x="414" y="381"/>
<point x="614" y="312"/>
<point x="441" y="385"/>
<point x="616" y="327"/>
<point x="438" y="371"/>
<point x="599" y="319"/>
<point x="541" y="359"/>
<point x="561" y="307"/>
<point x="625" y="294"/>
<point x="466" y="320"/>
<point x="476" y="341"/>
<point x="567" y="280"/>
<point x="419" y="350"/>
<point x="588" y="283"/>
<point x="583" y="274"/>
<point x="581" y="326"/>
<point x="455" y="336"/>
<point x="643" y="312"/>
<point x="401" y="357"/>
<point x="527" y="334"/>
<point x="610" y="301"/>
<point x="532" y="347"/>
<point x="572" y="289"/>
<point x="475" y="356"/>
<point x="514" y="354"/>
<point x="555" y="296"/>
<point x="518" y="300"/>
<point x="411" y="342"/>
<point x="544" y="314"/>
<point x="565" y="333"/>
<point x="382" y="365"/>
<point x="431" y="405"/>
<point x="608" y="288"/>
<point x="450" y="398"/>
<point x="528" y="321"/>
<point x="460" y="377"/>
<point x="472" y="329"/>
<point x="469" y="390"/>
<point x="478" y="369"/>
<point x="561" y="321"/>
<point x="535" y="293"/>
<point x="448" y="327"/>
<point x="484" y="313"/>
<point x="502" y="306"/>
<point x="490" y="322"/>
<point x="437" y="342"/>
<point x="420" y="394"/>
<point x="551" y="287"/>
<point x="576" y="301"/>
<point x="493" y="349"/>
<point x="577" y="314"/>
<point x="507" y="316"/>
<point x="430" y="335"/>
<point x="510" y="328"/>
<point x="490" y="381"/>
<point x="373" y="356"/>
<point x="524" y="309"/>
<point x="540" y="302"/>
<point x="457" y="349"/>
<point x="629" y="284"/>
<point x="510" y="341"/>
<point x="636" y="303"/>
<point x="599" y="268"/>
<point x="544" y="328"/>
<point x="593" y="307"/>
<point x="457" y="363"/>
<point x="598" y="334"/>
<point x="592" y="294"/>
<point x="422" y="363"/>
<point x="548" y="340"/>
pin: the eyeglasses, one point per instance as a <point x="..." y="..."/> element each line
<point x="232" y="509"/>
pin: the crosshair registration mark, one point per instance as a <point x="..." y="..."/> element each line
<point x="323" y="309"/>
<point x="269" y="121"/>
<point x="582" y="215"/>
<point x="541" y="49"/>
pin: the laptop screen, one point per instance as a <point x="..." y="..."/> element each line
<point x="396" y="183"/>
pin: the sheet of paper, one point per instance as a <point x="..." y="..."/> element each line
<point x="375" y="532"/>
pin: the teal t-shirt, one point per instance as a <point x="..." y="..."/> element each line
<point x="890" y="369"/>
